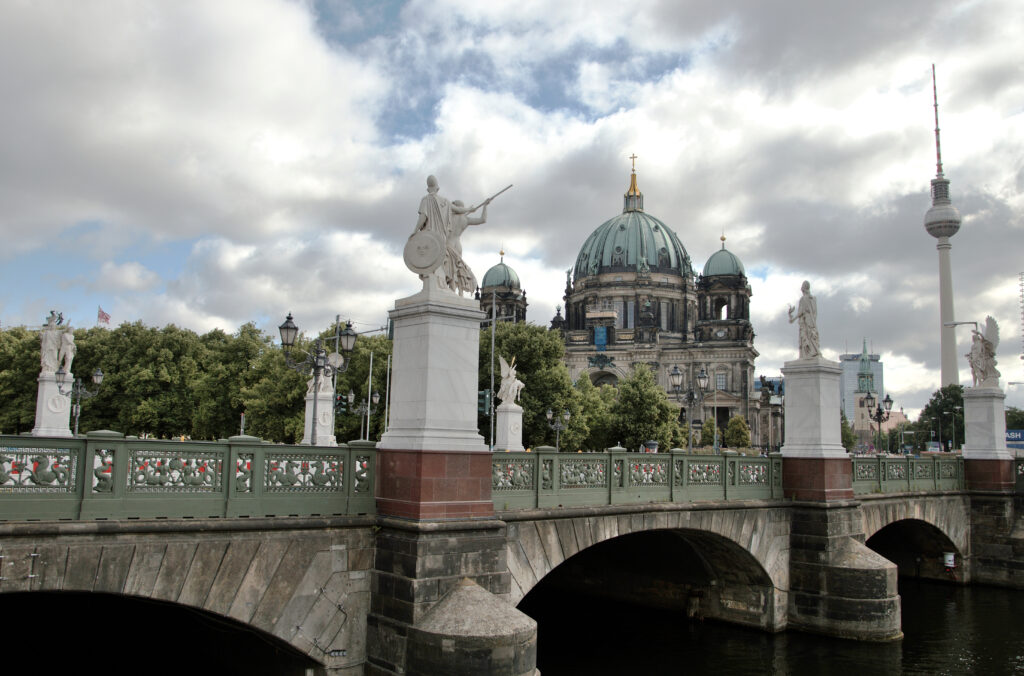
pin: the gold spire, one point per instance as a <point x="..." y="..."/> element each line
<point x="723" y="241"/>
<point x="633" y="189"/>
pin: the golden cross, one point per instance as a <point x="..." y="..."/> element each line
<point x="633" y="157"/>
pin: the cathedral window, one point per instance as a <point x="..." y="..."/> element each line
<point x="719" y="381"/>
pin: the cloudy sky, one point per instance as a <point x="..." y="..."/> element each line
<point x="213" y="163"/>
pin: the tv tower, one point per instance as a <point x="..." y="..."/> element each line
<point x="942" y="222"/>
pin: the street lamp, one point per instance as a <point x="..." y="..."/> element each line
<point x="318" y="361"/>
<point x="558" y="425"/>
<point x="78" y="391"/>
<point x="952" y="415"/>
<point x="364" y="408"/>
<point x="879" y="416"/>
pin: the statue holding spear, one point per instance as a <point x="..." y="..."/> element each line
<point x="434" y="249"/>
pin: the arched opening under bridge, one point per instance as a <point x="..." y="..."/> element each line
<point x="129" y="634"/>
<point x="919" y="550"/>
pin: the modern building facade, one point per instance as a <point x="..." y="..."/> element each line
<point x="852" y="364"/>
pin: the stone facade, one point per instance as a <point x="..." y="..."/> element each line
<point x="633" y="298"/>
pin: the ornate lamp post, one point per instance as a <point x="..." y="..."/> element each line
<point x="558" y="425"/>
<point x="318" y="361"/>
<point x="78" y="391"/>
<point x="879" y="416"/>
<point x="364" y="409"/>
<point x="675" y="378"/>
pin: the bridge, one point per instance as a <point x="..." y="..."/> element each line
<point x="290" y="542"/>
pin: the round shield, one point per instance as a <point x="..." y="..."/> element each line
<point x="424" y="252"/>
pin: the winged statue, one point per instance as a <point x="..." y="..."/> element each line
<point x="982" y="357"/>
<point x="510" y="385"/>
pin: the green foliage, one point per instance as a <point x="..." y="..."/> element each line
<point x="1014" y="418"/>
<point x="538" y="353"/>
<point x="596" y="407"/>
<point x="642" y="412"/>
<point x="737" y="433"/>
<point x="19" y="368"/>
<point x="943" y="412"/>
<point x="707" y="433"/>
<point x="172" y="382"/>
<point x="849" y="437"/>
<point x="356" y="378"/>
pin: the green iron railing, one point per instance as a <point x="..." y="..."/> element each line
<point x="107" y="476"/>
<point x="546" y="478"/>
<point x="885" y="474"/>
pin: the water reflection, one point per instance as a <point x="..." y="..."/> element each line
<point x="947" y="630"/>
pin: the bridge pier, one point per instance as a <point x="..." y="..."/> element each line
<point x="440" y="583"/>
<point x="838" y="586"/>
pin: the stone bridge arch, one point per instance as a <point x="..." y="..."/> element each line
<point x="305" y="581"/>
<point x="914" y="532"/>
<point x="747" y="547"/>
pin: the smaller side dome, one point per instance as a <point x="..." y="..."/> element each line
<point x="723" y="262"/>
<point x="501" y="275"/>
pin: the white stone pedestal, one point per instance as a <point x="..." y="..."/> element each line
<point x="53" y="409"/>
<point x="812" y="409"/>
<point x="508" y="427"/>
<point x="434" y="375"/>
<point x="324" y="422"/>
<point x="985" y="424"/>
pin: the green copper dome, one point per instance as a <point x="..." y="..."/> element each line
<point x="632" y="241"/>
<point x="723" y="262"/>
<point x="501" y="275"/>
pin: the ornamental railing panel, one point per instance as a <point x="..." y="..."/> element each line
<point x="107" y="476"/>
<point x="897" y="474"/>
<point x="546" y="478"/>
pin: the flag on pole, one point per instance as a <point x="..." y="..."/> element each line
<point x="101" y="316"/>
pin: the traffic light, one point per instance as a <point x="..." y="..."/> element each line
<point x="340" y="403"/>
<point x="483" y="401"/>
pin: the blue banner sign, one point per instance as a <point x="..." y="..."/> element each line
<point x="601" y="338"/>
<point x="1015" y="439"/>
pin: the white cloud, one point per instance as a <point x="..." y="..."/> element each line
<point x="124" y="277"/>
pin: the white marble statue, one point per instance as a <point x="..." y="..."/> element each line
<point x="510" y="385"/>
<point x="807" y="315"/>
<point x="67" y="349"/>
<point x="50" y="337"/>
<point x="982" y="357"/>
<point x="458" y="275"/>
<point x="326" y="385"/>
<point x="434" y="250"/>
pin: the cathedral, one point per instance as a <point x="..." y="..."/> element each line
<point x="633" y="298"/>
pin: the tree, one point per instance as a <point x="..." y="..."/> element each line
<point x="538" y="353"/>
<point x="707" y="433"/>
<point x="944" y="411"/>
<point x="19" y="370"/>
<point x="848" y="436"/>
<point x="1014" y="418"/>
<point x="737" y="433"/>
<point x="356" y="378"/>
<point x="642" y="412"/>
<point x="596" y="412"/>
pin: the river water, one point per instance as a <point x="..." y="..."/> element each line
<point x="947" y="630"/>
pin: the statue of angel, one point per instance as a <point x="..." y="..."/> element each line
<point x="510" y="385"/>
<point x="982" y="357"/>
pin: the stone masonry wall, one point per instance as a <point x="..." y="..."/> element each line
<point x="301" y="580"/>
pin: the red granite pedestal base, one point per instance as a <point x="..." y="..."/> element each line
<point x="817" y="479"/>
<point x="434" y="484"/>
<point x="989" y="475"/>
